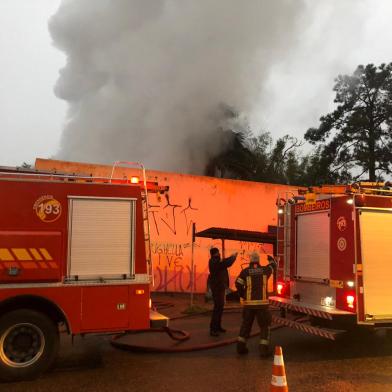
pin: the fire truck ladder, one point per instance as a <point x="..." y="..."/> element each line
<point x="283" y="241"/>
<point x="146" y="223"/>
<point x="360" y="187"/>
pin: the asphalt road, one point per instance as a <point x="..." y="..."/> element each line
<point x="357" y="363"/>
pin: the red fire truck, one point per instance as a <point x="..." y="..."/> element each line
<point x="74" y="252"/>
<point x="334" y="245"/>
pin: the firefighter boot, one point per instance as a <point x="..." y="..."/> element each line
<point x="241" y="346"/>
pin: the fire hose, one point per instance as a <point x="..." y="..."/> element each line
<point x="175" y="334"/>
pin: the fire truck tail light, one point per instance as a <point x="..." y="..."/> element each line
<point x="279" y="288"/>
<point x="139" y="292"/>
<point x="350" y="283"/>
<point x="328" y="301"/>
<point x="350" y="201"/>
<point x="134" y="180"/>
<point x="350" y="301"/>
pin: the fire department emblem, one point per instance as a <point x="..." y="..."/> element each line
<point x="341" y="223"/>
<point x="342" y="244"/>
<point x="47" y="208"/>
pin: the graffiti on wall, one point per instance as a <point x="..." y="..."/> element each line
<point x="170" y="254"/>
<point x="168" y="215"/>
<point x="179" y="278"/>
<point x="246" y="248"/>
<point x="214" y="202"/>
<point x="172" y="259"/>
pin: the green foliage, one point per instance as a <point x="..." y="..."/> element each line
<point x="276" y="163"/>
<point x="233" y="159"/>
<point x="258" y="158"/>
<point x="352" y="141"/>
<point x="245" y="156"/>
<point x="356" y="137"/>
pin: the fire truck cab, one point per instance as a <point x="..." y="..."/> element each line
<point x="334" y="246"/>
<point x="74" y="252"/>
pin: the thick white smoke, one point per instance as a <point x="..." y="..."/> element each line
<point x="144" y="79"/>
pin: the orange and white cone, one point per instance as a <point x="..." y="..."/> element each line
<point x="278" y="382"/>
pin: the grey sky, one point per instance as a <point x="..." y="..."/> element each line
<point x="337" y="35"/>
<point x="330" y="37"/>
<point x="31" y="117"/>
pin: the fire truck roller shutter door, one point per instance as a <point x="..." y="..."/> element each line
<point x="313" y="243"/>
<point x="376" y="249"/>
<point x="102" y="237"/>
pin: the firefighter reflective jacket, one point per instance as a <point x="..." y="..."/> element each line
<point x="252" y="283"/>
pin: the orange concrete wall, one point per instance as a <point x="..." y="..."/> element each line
<point x="207" y="201"/>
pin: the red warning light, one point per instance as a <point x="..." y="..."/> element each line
<point x="350" y="301"/>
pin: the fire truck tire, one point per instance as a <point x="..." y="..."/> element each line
<point x="29" y="344"/>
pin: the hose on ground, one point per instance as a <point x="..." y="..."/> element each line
<point x="159" y="305"/>
<point x="175" y="334"/>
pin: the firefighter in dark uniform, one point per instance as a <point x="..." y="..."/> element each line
<point x="252" y="286"/>
<point x="219" y="281"/>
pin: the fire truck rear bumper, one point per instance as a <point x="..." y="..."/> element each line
<point x="325" y="312"/>
<point x="158" y="320"/>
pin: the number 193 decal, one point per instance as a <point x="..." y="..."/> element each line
<point x="47" y="208"/>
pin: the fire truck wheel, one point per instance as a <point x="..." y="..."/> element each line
<point x="29" y="343"/>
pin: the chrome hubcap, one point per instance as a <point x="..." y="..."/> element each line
<point x="21" y="345"/>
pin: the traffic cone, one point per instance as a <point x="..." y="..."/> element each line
<point x="278" y="382"/>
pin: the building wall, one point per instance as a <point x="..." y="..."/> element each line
<point x="205" y="201"/>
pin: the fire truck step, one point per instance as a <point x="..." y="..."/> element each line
<point x="301" y="326"/>
<point x="158" y="320"/>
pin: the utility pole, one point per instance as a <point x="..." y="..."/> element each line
<point x="192" y="277"/>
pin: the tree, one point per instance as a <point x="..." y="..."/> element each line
<point x="233" y="159"/>
<point x="357" y="134"/>
<point x="284" y="165"/>
<point x="313" y="169"/>
<point x="244" y="156"/>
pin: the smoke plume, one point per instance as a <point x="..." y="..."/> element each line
<point x="145" y="80"/>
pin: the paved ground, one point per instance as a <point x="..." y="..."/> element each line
<point x="361" y="363"/>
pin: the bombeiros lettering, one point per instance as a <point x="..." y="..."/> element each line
<point x="320" y="205"/>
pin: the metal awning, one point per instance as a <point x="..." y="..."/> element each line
<point x="223" y="234"/>
<point x="240" y="235"/>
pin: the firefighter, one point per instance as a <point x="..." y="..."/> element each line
<point x="219" y="281"/>
<point x="252" y="286"/>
